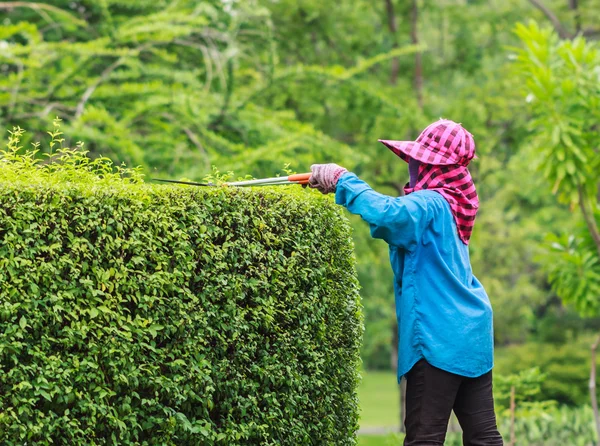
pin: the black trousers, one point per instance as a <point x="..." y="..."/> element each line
<point x="432" y="394"/>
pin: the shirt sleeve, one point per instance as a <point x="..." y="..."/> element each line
<point x="399" y="221"/>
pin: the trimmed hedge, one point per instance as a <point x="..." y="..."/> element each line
<point x="141" y="314"/>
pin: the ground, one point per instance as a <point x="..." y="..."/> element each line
<point x="379" y="408"/>
<point x="380" y="440"/>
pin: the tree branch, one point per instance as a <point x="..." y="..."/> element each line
<point x="207" y="60"/>
<point x="103" y="76"/>
<point x="90" y="90"/>
<point x="49" y="107"/>
<point x="193" y="138"/>
<point x="45" y="111"/>
<point x="221" y="116"/>
<point x="591" y="32"/>
<point x="562" y="32"/>
<point x="40" y="7"/>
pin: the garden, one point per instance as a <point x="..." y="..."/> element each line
<point x="138" y="312"/>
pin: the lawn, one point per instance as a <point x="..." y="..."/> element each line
<point x="380" y="440"/>
<point x="379" y="400"/>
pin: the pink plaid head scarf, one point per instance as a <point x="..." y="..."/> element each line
<point x="444" y="150"/>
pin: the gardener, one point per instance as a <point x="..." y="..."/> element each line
<point x="444" y="314"/>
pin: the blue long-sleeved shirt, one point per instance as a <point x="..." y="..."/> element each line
<point x="444" y="314"/>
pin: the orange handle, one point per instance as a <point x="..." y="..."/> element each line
<point x="302" y="178"/>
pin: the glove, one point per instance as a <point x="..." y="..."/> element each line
<point x="324" y="177"/>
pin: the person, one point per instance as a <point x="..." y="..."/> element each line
<point x="445" y="335"/>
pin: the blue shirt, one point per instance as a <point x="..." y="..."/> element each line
<point x="444" y="314"/>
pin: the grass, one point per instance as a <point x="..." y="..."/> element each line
<point x="380" y="440"/>
<point x="379" y="400"/>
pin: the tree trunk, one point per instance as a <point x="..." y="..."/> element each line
<point x="592" y="386"/>
<point x="393" y="27"/>
<point x="513" y="440"/>
<point x="414" y="36"/>
<point x="574" y="6"/>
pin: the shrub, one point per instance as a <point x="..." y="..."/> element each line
<point x="567" y="368"/>
<point x="142" y="314"/>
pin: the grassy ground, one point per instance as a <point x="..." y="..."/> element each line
<point x="380" y="440"/>
<point x="379" y="400"/>
<point x="378" y="394"/>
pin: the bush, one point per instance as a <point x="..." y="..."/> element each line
<point x="142" y="314"/>
<point x="567" y="368"/>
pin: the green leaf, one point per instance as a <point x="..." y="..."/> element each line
<point x="45" y="394"/>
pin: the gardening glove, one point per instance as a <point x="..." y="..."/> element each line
<point x="324" y="177"/>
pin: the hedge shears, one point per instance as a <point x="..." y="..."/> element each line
<point x="299" y="178"/>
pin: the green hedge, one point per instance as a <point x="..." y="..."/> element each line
<point x="141" y="314"/>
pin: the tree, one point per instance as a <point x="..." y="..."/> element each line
<point x="562" y="90"/>
<point x="172" y="86"/>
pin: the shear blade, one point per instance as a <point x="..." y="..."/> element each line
<point x="189" y="183"/>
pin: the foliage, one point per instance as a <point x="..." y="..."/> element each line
<point x="558" y="426"/>
<point x="555" y="427"/>
<point x="573" y="267"/>
<point x="507" y="244"/>
<point x="566" y="368"/>
<point x="141" y="314"/>
<point x="560" y="325"/>
<point x="61" y="164"/>
<point x="561" y="78"/>
<point x="526" y="386"/>
<point x="173" y="86"/>
<point x="179" y="86"/>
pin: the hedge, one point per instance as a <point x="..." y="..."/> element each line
<point x="133" y="313"/>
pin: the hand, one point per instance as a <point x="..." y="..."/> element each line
<point x="324" y="177"/>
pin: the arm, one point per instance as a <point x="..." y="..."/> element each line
<point x="399" y="221"/>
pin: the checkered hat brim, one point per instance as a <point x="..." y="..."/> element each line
<point x="442" y="143"/>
